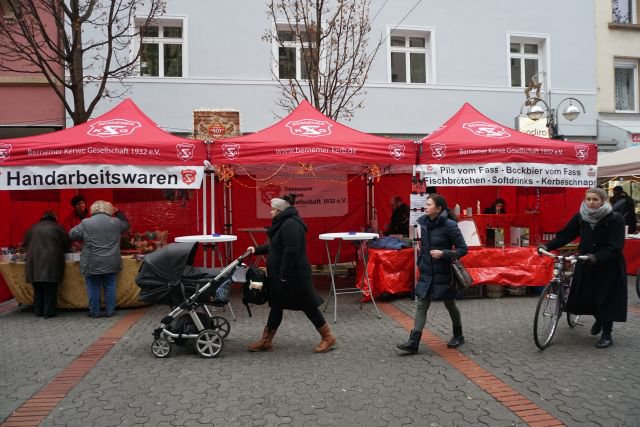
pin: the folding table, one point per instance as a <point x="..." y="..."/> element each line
<point x="360" y="240"/>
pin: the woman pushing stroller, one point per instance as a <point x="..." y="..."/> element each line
<point x="289" y="271"/>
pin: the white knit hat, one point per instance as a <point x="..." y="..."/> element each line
<point x="279" y="204"/>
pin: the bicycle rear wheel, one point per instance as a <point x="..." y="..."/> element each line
<point x="547" y="315"/>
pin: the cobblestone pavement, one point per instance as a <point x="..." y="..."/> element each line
<point x="365" y="381"/>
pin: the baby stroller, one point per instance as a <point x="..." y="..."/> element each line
<point x="167" y="277"/>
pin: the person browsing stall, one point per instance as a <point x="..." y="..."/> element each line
<point x="599" y="286"/>
<point x="289" y="271"/>
<point x="622" y="203"/>
<point x="100" y="260"/>
<point x="399" y="223"/>
<point x="45" y="243"/>
<point x="440" y="241"/>
<point x="498" y="207"/>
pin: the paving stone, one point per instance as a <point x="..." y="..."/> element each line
<point x="364" y="381"/>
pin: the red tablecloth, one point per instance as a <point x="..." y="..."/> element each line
<point x="390" y="272"/>
<point x="506" y="221"/>
<point x="508" y="266"/>
<point x="632" y="255"/>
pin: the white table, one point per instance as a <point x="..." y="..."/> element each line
<point x="360" y="239"/>
<point x="210" y="240"/>
<point x="252" y="231"/>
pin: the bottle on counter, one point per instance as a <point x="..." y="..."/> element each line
<point x="456" y="210"/>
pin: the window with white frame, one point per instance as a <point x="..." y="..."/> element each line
<point x="526" y="59"/>
<point x="409" y="56"/>
<point x="626" y="85"/>
<point x="294" y="62"/>
<point x="161" y="49"/>
<point x="625" y="11"/>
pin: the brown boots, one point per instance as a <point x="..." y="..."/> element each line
<point x="264" y="343"/>
<point x="328" y="340"/>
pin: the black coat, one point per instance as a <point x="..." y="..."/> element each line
<point x="399" y="223"/>
<point x="46" y="242"/>
<point x="287" y="259"/>
<point x="599" y="289"/>
<point x="435" y="274"/>
<point x="626" y="207"/>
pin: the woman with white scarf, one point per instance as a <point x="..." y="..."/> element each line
<point x="599" y="286"/>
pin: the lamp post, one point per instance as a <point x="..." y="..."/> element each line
<point x="536" y="112"/>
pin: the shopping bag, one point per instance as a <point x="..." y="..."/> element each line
<point x="255" y="289"/>
<point x="460" y="277"/>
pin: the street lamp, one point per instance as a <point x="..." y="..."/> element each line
<point x="536" y="112"/>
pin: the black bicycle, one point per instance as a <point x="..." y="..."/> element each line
<point x="638" y="282"/>
<point x="552" y="302"/>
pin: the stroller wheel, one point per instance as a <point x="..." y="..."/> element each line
<point x="208" y="343"/>
<point x="220" y="325"/>
<point x="161" y="348"/>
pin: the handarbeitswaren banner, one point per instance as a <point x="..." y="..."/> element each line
<point x="511" y="174"/>
<point x="99" y="176"/>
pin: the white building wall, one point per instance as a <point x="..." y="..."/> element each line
<point x="229" y="66"/>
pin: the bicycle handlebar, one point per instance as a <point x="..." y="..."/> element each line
<point x="562" y="257"/>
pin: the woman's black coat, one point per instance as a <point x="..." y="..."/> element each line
<point x="287" y="260"/>
<point x="599" y="289"/>
<point x="435" y="274"/>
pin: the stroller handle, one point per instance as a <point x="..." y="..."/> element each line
<point x="244" y="255"/>
<point x="233" y="265"/>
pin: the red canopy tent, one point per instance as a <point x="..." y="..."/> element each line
<point x="307" y="145"/>
<point x="123" y="148"/>
<point x="530" y="173"/>
<point x="308" y="136"/>
<point x="104" y="158"/>
<point x="469" y="138"/>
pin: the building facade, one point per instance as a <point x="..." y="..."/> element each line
<point x="435" y="57"/>
<point x="618" y="53"/>
<point x="28" y="106"/>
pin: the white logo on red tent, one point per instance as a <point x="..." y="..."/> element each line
<point x="582" y="151"/>
<point x="438" y="150"/>
<point x="269" y="192"/>
<point x="309" y="128"/>
<point x="487" y="130"/>
<point x="5" y="151"/>
<point x="230" y="150"/>
<point x="185" y="150"/>
<point x="189" y="176"/>
<point x="396" y="151"/>
<point x="114" y="127"/>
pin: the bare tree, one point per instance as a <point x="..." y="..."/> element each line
<point x="48" y="37"/>
<point x="323" y="54"/>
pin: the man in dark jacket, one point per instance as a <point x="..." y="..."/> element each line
<point x="399" y="223"/>
<point x="45" y="242"/>
<point x="625" y="206"/>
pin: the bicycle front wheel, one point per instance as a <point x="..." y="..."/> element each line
<point x="547" y="315"/>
